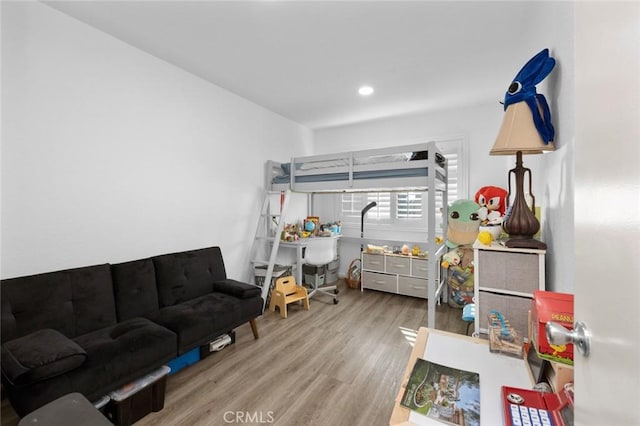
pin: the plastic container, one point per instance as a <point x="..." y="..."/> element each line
<point x="102" y="402"/>
<point x="135" y="400"/>
<point x="311" y="280"/>
<point x="184" y="360"/>
<point x="461" y="286"/>
<point x="278" y="271"/>
<point x="503" y="339"/>
<point x="131" y="388"/>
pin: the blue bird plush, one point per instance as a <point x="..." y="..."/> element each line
<point x="523" y="88"/>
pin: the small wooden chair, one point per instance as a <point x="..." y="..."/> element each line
<point x="287" y="291"/>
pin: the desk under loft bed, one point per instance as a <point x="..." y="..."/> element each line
<point x="417" y="167"/>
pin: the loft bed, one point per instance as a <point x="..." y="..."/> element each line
<point x="387" y="169"/>
<point x="416" y="167"/>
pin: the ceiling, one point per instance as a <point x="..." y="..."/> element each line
<point x="306" y="59"/>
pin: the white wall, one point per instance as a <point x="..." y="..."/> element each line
<point x="479" y="124"/>
<point x="110" y="154"/>
<point x="555" y="171"/>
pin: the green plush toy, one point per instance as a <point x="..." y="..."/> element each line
<point x="463" y="223"/>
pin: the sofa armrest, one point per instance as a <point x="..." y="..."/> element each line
<point x="8" y="321"/>
<point x="39" y="356"/>
<point x="236" y="288"/>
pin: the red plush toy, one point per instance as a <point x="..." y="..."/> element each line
<point x="493" y="199"/>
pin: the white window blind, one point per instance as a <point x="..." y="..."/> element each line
<point x="353" y="203"/>
<point x="454" y="151"/>
<point x="408" y="205"/>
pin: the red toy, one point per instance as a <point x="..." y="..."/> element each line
<point x="530" y="407"/>
<point x="493" y="198"/>
<point x="551" y="306"/>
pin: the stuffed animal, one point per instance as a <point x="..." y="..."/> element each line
<point x="523" y="88"/>
<point x="463" y="223"/>
<point x="451" y="258"/>
<point x="485" y="237"/>
<point x="290" y="232"/>
<point x="492" y="201"/>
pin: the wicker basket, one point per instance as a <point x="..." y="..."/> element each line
<point x="353" y="274"/>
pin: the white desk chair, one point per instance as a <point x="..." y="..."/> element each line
<point x="320" y="251"/>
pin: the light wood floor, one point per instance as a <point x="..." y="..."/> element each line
<point x="333" y="365"/>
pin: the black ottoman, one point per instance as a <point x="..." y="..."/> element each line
<point x="71" y="409"/>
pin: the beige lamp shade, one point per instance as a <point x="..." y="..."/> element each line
<point x="519" y="133"/>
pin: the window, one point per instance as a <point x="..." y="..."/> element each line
<point x="408" y="208"/>
<point x="391" y="207"/>
<point x="353" y="203"/>
<point x="455" y="151"/>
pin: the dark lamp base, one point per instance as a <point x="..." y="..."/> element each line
<point x="528" y="243"/>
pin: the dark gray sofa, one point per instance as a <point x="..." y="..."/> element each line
<point x="96" y="328"/>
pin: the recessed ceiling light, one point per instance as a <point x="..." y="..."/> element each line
<point x="365" y="90"/>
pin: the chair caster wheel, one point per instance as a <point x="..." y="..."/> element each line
<point x="335" y="301"/>
<point x="336" y="291"/>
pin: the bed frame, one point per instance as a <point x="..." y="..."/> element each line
<point x="417" y="167"/>
<point x="387" y="169"/>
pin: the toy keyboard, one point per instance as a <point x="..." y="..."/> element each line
<point x="529" y="416"/>
<point x="525" y="407"/>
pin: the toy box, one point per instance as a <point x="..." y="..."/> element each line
<point x="551" y="306"/>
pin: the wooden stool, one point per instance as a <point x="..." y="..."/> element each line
<point x="287" y="291"/>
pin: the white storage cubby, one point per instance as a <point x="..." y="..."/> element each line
<point x="505" y="279"/>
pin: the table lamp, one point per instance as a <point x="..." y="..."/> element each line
<point x="526" y="129"/>
<point x="518" y="135"/>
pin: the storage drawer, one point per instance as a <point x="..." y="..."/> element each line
<point x="334" y="264"/>
<point x="415" y="287"/>
<point x="382" y="282"/>
<point x="398" y="265"/>
<point x="373" y="262"/>
<point x="419" y="268"/>
<point x="509" y="271"/>
<point x="515" y="309"/>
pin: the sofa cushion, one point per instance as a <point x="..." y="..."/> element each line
<point x="73" y="301"/>
<point x="187" y="275"/>
<point x="200" y="320"/>
<point x="119" y="354"/>
<point x="237" y="288"/>
<point x="40" y="355"/>
<point x="134" y="286"/>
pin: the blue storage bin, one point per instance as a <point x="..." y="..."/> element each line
<point x="184" y="360"/>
